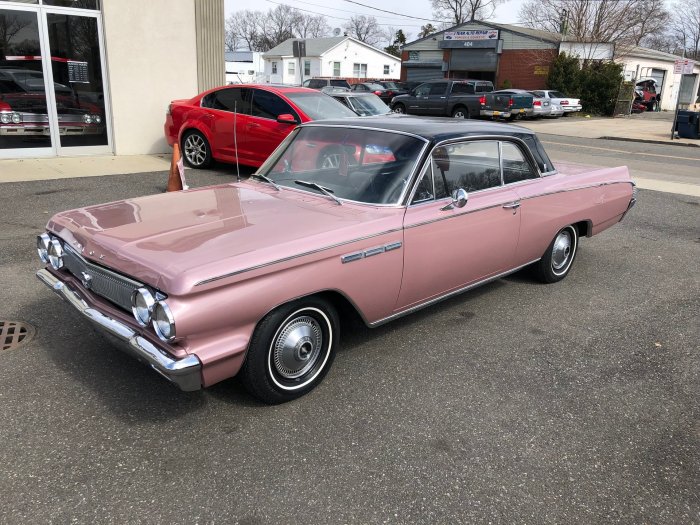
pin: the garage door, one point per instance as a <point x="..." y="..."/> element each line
<point x="473" y="59"/>
<point x="418" y="74"/>
<point x="658" y="75"/>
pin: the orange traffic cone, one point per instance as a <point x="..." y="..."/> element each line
<point x="176" y="176"/>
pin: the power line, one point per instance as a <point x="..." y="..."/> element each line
<point x="394" y="12"/>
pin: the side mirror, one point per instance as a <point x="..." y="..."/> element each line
<point x="286" y="118"/>
<point x="459" y="199"/>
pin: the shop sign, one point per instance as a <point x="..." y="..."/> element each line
<point x="541" y="70"/>
<point x="487" y="34"/>
<point x="683" y="66"/>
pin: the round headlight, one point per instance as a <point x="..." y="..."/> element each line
<point x="142" y="303"/>
<point x="5" y="118"/>
<point x="163" y="322"/>
<point x="96" y="119"/>
<point x="42" y="246"/>
<point x="16" y="118"/>
<point x="87" y="119"/>
<point x="55" y="254"/>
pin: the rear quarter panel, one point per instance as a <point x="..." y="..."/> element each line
<point x="597" y="196"/>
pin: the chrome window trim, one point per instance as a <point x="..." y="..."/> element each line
<point x="524" y="148"/>
<point x="455" y="215"/>
<point x="291" y="257"/>
<point x="449" y="294"/>
<point x="411" y="177"/>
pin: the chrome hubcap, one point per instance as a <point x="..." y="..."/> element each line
<point x="195" y="150"/>
<point x="398" y="109"/>
<point x="458" y="114"/>
<point x="561" y="251"/>
<point x="297" y="347"/>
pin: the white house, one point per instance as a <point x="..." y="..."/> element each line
<point x="337" y="57"/>
<point x="244" y="67"/>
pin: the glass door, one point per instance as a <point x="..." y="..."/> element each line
<point x="25" y="129"/>
<point x="81" y="122"/>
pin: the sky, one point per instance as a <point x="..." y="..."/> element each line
<point x="338" y="12"/>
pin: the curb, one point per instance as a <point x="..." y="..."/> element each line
<point x="647" y="141"/>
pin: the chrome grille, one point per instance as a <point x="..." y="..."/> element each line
<point x="106" y="283"/>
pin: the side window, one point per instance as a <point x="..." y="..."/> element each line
<point x="208" y="101"/>
<point x="425" y="190"/>
<point x="515" y="165"/>
<point x="233" y="100"/>
<point x="472" y="165"/>
<point x="461" y="87"/>
<point x="307" y="83"/>
<point x="423" y="90"/>
<point x="316" y="83"/>
<point x="269" y="105"/>
<point x="439" y="88"/>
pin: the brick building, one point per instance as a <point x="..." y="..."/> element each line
<point x="485" y="51"/>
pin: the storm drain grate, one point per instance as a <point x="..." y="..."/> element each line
<point x="14" y="334"/>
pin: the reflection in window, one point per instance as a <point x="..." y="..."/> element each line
<point x="473" y="166"/>
<point x="515" y="165"/>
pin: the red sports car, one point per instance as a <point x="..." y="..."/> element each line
<point x="245" y="122"/>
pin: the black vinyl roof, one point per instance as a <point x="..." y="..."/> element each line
<point x="431" y="129"/>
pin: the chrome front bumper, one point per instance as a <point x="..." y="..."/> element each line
<point x="185" y="373"/>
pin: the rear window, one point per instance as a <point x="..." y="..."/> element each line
<point x="557" y="94"/>
<point x="539" y="94"/>
<point x="319" y="106"/>
<point x="462" y="87"/>
<point x="484" y="87"/>
<point x="340" y="83"/>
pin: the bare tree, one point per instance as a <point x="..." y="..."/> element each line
<point x="279" y="25"/>
<point x="460" y="11"/>
<point x="619" y="21"/>
<point x="685" y="28"/>
<point x="310" y="26"/>
<point x="365" y="29"/>
<point x="243" y="28"/>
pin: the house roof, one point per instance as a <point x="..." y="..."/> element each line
<point x="238" y="56"/>
<point x="526" y="31"/>
<point x="315" y="47"/>
<point x="645" y="52"/>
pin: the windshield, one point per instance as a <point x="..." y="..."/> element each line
<point x="368" y="105"/>
<point x="361" y="165"/>
<point x="319" y="106"/>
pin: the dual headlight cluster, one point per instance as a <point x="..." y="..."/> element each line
<point x="92" y="119"/>
<point x="145" y="307"/>
<point x="10" y="117"/>
<point x="50" y="250"/>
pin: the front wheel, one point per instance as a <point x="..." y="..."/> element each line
<point x="399" y="108"/>
<point x="460" y="112"/>
<point x="291" y="350"/>
<point x="556" y="261"/>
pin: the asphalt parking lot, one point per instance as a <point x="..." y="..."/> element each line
<point x="516" y="403"/>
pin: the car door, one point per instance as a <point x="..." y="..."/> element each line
<point x="262" y="132"/>
<point x="446" y="247"/>
<point x="437" y="99"/>
<point x="417" y="104"/>
<point x="226" y="115"/>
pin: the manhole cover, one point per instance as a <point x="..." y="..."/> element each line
<point x="14" y="334"/>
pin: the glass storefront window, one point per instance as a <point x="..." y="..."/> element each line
<point x="24" y="120"/>
<point x="80" y="4"/>
<point x="77" y="80"/>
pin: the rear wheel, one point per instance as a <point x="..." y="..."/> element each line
<point x="196" y="150"/>
<point x="399" y="108"/>
<point x="557" y="260"/>
<point x="291" y="350"/>
<point x="460" y="112"/>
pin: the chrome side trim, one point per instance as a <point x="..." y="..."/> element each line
<point x="291" y="257"/>
<point x="588" y="186"/>
<point x="455" y="215"/>
<point x="393" y="246"/>
<point x="449" y="294"/>
<point x="374" y="251"/>
<point x="352" y="257"/>
<point x="356" y="256"/>
<point x="185" y="373"/>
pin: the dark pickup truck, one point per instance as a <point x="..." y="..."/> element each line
<point x="460" y="99"/>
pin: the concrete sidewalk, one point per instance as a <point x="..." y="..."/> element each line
<point x="651" y="127"/>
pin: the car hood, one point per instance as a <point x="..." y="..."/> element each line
<point x="173" y="241"/>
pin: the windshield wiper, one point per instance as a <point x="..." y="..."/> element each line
<point x="322" y="189"/>
<point x="266" y="179"/>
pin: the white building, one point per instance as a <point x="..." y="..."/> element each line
<point x="336" y="57"/>
<point x="640" y="62"/>
<point x="243" y="67"/>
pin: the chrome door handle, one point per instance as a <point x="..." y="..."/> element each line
<point x="512" y="205"/>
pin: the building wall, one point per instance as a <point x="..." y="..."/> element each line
<point x="209" y="23"/>
<point x="525" y="69"/>
<point x="151" y="59"/>
<point x="639" y="67"/>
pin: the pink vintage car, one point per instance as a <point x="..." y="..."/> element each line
<point x="378" y="216"/>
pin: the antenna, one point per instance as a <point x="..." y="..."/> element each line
<point x="336" y="31"/>
<point x="235" y="140"/>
